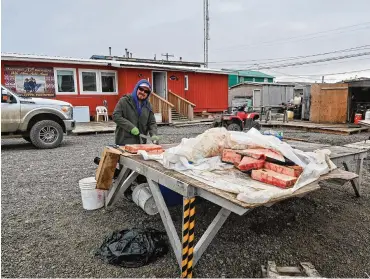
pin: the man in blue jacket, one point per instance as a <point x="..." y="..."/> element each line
<point x="133" y="115"/>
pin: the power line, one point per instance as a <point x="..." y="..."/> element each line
<point x="328" y="74"/>
<point x="282" y="59"/>
<point x="303" y="36"/>
<point x="310" y="61"/>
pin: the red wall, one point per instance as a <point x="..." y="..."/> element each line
<point x="208" y="91"/>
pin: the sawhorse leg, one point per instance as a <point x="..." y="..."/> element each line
<point x="120" y="185"/>
<point x="356" y="183"/>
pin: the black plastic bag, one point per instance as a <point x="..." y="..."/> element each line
<point x="134" y="247"/>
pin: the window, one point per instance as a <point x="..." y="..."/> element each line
<point x="241" y="79"/>
<point x="65" y="81"/>
<point x="186" y="79"/>
<point x="108" y="82"/>
<point x="266" y="80"/>
<point x="98" y="81"/>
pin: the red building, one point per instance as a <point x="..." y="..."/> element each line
<point x="90" y="82"/>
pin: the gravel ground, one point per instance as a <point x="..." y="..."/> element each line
<point x="46" y="233"/>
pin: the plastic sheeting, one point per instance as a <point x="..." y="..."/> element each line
<point x="200" y="158"/>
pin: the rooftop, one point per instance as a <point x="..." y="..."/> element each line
<point x="101" y="62"/>
<point x="250" y="73"/>
<point x="262" y="84"/>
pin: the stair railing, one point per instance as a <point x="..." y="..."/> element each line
<point x="181" y="105"/>
<point x="160" y="105"/>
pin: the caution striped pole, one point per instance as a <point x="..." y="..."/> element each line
<point x="185" y="238"/>
<point x="191" y="238"/>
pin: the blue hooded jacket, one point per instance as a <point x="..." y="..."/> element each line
<point x="134" y="95"/>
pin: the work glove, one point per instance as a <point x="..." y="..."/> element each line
<point x="135" y="131"/>
<point x="155" y="139"/>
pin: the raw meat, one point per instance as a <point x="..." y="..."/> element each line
<point x="230" y="156"/>
<point x="262" y="153"/>
<point x="134" y="148"/>
<point x="287" y="170"/>
<point x="248" y="163"/>
<point x="274" y="178"/>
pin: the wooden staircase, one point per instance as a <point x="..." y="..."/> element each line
<point x="175" y="108"/>
<point x="177" y="116"/>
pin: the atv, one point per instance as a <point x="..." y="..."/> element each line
<point x="239" y="120"/>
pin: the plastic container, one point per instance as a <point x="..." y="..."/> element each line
<point x="358" y="117"/>
<point x="367" y="115"/>
<point x="143" y="197"/>
<point x="92" y="198"/>
<point x="279" y="135"/>
<point x="290" y="115"/>
<point x="170" y="197"/>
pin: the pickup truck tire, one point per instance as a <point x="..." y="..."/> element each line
<point x="46" y="134"/>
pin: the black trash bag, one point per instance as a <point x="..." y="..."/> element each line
<point x="134" y="247"/>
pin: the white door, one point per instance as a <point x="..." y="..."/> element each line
<point x="257" y="100"/>
<point x="160" y="84"/>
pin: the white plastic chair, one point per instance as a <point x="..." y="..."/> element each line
<point x="101" y="110"/>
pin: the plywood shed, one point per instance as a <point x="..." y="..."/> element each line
<point x="329" y="103"/>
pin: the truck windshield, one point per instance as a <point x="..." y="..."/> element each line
<point x="3" y="88"/>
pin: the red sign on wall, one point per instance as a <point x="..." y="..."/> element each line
<point x="30" y="81"/>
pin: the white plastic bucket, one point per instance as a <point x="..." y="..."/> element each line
<point x="143" y="197"/>
<point x="92" y="198"/>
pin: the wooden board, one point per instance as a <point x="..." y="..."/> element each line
<point x="363" y="145"/>
<point x="339" y="129"/>
<point x="329" y="103"/>
<point x="106" y="168"/>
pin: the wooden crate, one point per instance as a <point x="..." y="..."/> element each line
<point x="305" y="269"/>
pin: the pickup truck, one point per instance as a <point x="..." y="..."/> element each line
<point x="42" y="122"/>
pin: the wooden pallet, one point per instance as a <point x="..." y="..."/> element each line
<point x="305" y="269"/>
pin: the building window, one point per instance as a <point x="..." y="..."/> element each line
<point x="108" y="82"/>
<point x="241" y="79"/>
<point x="65" y="81"/>
<point x="186" y="79"/>
<point x="266" y="80"/>
<point x="98" y="81"/>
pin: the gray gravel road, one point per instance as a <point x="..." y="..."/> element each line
<point x="46" y="233"/>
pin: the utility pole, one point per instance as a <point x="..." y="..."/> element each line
<point x="206" y="30"/>
<point x="322" y="79"/>
<point x="167" y="55"/>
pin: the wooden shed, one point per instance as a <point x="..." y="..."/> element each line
<point x="329" y="103"/>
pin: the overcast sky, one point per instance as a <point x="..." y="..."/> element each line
<point x="240" y="30"/>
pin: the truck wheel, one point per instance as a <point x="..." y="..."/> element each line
<point x="234" y="127"/>
<point x="26" y="138"/>
<point x="46" y="134"/>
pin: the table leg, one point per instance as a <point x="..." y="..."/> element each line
<point x="356" y="183"/>
<point x="210" y="233"/>
<point x="166" y="219"/>
<point x="123" y="181"/>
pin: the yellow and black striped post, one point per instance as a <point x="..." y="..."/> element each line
<point x="185" y="238"/>
<point x="188" y="238"/>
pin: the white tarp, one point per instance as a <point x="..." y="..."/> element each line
<point x="199" y="158"/>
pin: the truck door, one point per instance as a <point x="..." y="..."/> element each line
<point x="10" y="112"/>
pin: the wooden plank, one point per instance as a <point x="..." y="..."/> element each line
<point x="315" y="106"/>
<point x="106" y="168"/>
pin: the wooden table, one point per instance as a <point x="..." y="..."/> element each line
<point x="187" y="252"/>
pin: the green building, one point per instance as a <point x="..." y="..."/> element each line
<point x="249" y="76"/>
